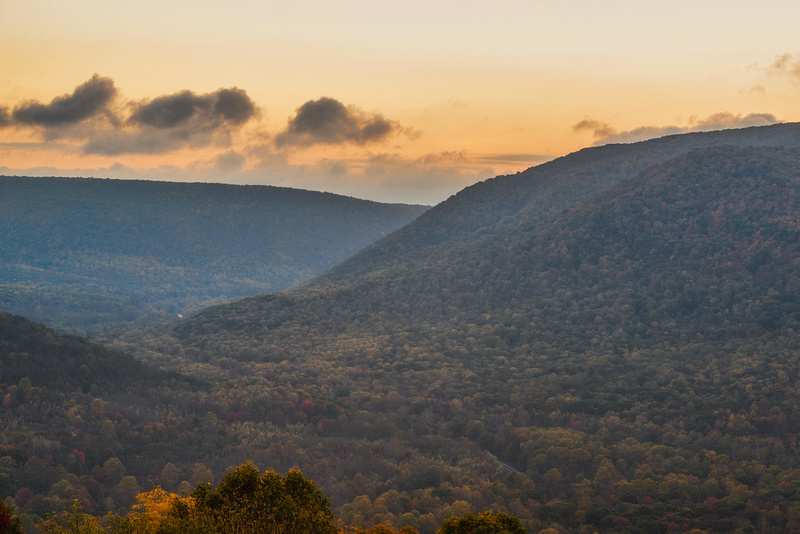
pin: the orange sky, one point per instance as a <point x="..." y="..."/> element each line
<point x="405" y="102"/>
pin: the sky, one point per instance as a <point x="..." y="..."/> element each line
<point x="392" y="101"/>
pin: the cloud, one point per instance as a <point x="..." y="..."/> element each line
<point x="229" y="161"/>
<point x="598" y="129"/>
<point x="786" y="65"/>
<point x="147" y="141"/>
<point x="178" y="120"/>
<point x="94" y="120"/>
<point x="162" y="124"/>
<point x="87" y="100"/>
<point x="231" y="106"/>
<point x="5" y="117"/>
<point x="725" y="120"/>
<point x="604" y="133"/>
<point x="169" y="111"/>
<point x="328" y="121"/>
<point x="515" y="158"/>
<point x="234" y="106"/>
<point x="448" y="156"/>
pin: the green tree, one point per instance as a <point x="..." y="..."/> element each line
<point x="485" y="523"/>
<point x="73" y="521"/>
<point x="251" y="503"/>
<point x="170" y="477"/>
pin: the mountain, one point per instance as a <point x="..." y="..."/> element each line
<point x="627" y="348"/>
<point x="490" y="205"/>
<point x="81" y="253"/>
<point x="404" y="281"/>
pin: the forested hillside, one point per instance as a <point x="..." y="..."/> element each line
<point x="628" y="363"/>
<point x="81" y="254"/>
<point x="634" y="356"/>
<point x="548" y="188"/>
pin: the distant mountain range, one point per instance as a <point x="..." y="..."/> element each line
<point x="82" y="253"/>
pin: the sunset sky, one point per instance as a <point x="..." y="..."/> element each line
<point x="394" y="101"/>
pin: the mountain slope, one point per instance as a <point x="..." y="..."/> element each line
<point x="78" y="252"/>
<point x="695" y="225"/>
<point x="31" y="351"/>
<point x="634" y="356"/>
<point x="547" y="188"/>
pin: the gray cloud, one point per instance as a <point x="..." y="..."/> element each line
<point x="156" y="126"/>
<point x="234" y="106"/>
<point x="5" y="117"/>
<point x="178" y="120"/>
<point x="170" y="111"/>
<point x="87" y="100"/>
<point x="231" y="106"/>
<point x="94" y="120"/>
<point x="328" y="121"/>
<point x="786" y="65"/>
<point x="604" y="133"/>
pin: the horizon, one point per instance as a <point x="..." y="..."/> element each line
<point x="405" y="104"/>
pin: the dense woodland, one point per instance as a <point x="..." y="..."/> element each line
<point x="92" y="256"/>
<point x="626" y="363"/>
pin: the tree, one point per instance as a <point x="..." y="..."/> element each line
<point x="151" y="513"/>
<point x="485" y="523"/>
<point x="170" y="477"/>
<point x="9" y="523"/>
<point x="251" y="503"/>
<point x="72" y="522"/>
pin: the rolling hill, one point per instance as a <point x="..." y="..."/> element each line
<point x="85" y="253"/>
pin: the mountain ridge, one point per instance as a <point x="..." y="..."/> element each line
<point x="547" y="188"/>
<point x="129" y="250"/>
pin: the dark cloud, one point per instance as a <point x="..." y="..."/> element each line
<point x="328" y="121"/>
<point x="171" y="122"/>
<point x="605" y="133"/>
<point x="170" y="111"/>
<point x="231" y="106"/>
<point x="5" y="117"/>
<point x="87" y="100"/>
<point x="234" y="106"/>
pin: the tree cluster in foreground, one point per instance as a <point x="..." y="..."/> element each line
<point x="246" y="502"/>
